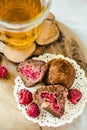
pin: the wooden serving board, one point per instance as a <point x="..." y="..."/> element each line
<point x="11" y="118"/>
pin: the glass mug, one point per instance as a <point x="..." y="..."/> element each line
<point x="20" y="21"/>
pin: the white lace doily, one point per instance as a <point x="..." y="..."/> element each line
<point x="71" y="111"/>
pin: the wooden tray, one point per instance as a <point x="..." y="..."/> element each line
<point x="10" y="117"/>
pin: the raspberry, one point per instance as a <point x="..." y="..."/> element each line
<point x="49" y="96"/>
<point x="29" y="72"/>
<point x="74" y="96"/>
<point x="56" y="106"/>
<point x="52" y="99"/>
<point x="25" y="96"/>
<point x="33" y="110"/>
<point x="3" y="71"/>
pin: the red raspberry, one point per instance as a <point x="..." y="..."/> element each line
<point x="52" y="99"/>
<point x="48" y="96"/>
<point x="74" y="95"/>
<point x="56" y="106"/>
<point x="29" y="72"/>
<point x="25" y="96"/>
<point x="33" y="110"/>
<point x="3" y="71"/>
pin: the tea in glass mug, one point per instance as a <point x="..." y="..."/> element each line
<point x="20" y="21"/>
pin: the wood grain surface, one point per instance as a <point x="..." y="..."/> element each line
<point x="10" y="117"/>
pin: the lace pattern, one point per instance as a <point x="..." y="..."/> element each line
<point x="71" y="111"/>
